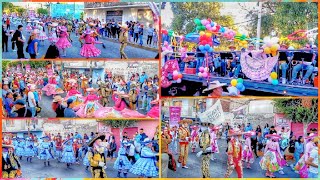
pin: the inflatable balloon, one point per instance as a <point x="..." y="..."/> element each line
<point x="240" y="80"/>
<point x="180" y="76"/>
<point x="201" y="47"/>
<point x="175" y="73"/>
<point x="197" y="21"/>
<point x="204" y="74"/>
<point x="274" y="48"/>
<point x="274" y="75"/>
<point x="267" y="50"/>
<point x="179" y="80"/>
<point x="239" y="86"/>
<point x="200" y="74"/>
<point x="243" y="88"/>
<point x="275" y="82"/>
<point x="201" y="69"/>
<point x="234" y="82"/>
<point x="206" y="69"/>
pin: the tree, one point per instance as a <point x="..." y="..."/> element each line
<point x="121" y="124"/>
<point x="297" y="110"/>
<point x="81" y="15"/>
<point x="43" y="11"/>
<point x="20" y="10"/>
<point x="283" y="18"/>
<point x="7" y="7"/>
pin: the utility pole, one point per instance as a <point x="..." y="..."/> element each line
<point x="259" y="24"/>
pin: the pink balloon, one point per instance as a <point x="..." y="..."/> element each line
<point x="214" y="28"/>
<point x="175" y="73"/>
<point x="203" y="22"/>
<point x="178" y="80"/>
<point x="201" y="69"/>
<point x="208" y="26"/>
<point x="205" y="74"/>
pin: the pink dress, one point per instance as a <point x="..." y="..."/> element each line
<point x="75" y="95"/>
<point x="214" y="142"/>
<point x="247" y="154"/>
<point x="272" y="160"/>
<point x="301" y="166"/>
<point x="119" y="104"/>
<point x="88" y="49"/>
<point x="29" y="28"/>
<point x="89" y="106"/>
<point x="63" y="41"/>
<point x="42" y="34"/>
<point x="52" y="88"/>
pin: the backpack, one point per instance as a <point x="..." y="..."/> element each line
<point x="14" y="37"/>
<point x="60" y="111"/>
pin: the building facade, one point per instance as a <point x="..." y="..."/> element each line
<point x="119" y="12"/>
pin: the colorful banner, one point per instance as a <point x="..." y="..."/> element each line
<point x="175" y="115"/>
<point x="280" y="121"/>
<point x="214" y="115"/>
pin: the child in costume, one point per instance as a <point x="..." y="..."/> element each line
<point x="122" y="164"/>
<point x="68" y="155"/>
<point x="20" y="147"/>
<point x="194" y="138"/>
<point x="29" y="149"/>
<point x="88" y="49"/>
<point x="214" y="141"/>
<point x="45" y="149"/>
<point x="247" y="153"/>
<point x="90" y="104"/>
<point x="146" y="165"/>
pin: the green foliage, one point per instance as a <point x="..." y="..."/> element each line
<point x="81" y="15"/>
<point x="293" y="110"/>
<point x="186" y="12"/>
<point x="33" y="64"/>
<point x="43" y="11"/>
<point x="284" y="18"/>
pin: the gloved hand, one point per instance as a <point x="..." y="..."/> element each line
<point x="101" y="164"/>
<point x="199" y="153"/>
<point x="209" y="149"/>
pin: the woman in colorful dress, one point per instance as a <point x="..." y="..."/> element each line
<point x="42" y="33"/>
<point x="63" y="42"/>
<point x="247" y="153"/>
<point x="122" y="164"/>
<point x="194" y="138"/>
<point x="68" y="154"/>
<point x="45" y="149"/>
<point x="52" y="87"/>
<point x="53" y="38"/>
<point x="214" y="141"/>
<point x="146" y="165"/>
<point x="88" y="49"/>
<point x="20" y="147"/>
<point x="29" y="150"/>
<point x="272" y="159"/>
<point x="90" y="104"/>
<point x="29" y="28"/>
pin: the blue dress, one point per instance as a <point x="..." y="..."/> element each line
<point x="85" y="159"/>
<point x="20" y="148"/>
<point x="45" y="151"/>
<point x="29" y="151"/>
<point x="68" y="155"/>
<point x="146" y="165"/>
<point x="122" y="162"/>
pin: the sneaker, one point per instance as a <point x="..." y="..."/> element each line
<point x="185" y="167"/>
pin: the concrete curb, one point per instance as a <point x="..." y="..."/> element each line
<point x="134" y="45"/>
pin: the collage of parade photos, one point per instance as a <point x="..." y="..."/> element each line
<point x="221" y="89"/>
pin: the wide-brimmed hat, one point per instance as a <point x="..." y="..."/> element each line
<point x="54" y="24"/>
<point x="57" y="98"/>
<point x="214" y="85"/>
<point x="102" y="137"/>
<point x="92" y="24"/>
<point x="235" y="132"/>
<point x="90" y="90"/>
<point x="250" y="133"/>
<point x="146" y="141"/>
<point x="72" y="81"/>
<point x="311" y="136"/>
<point x="7" y="146"/>
<point x="88" y="32"/>
<point x="63" y="28"/>
<point x="232" y="46"/>
<point x="45" y="137"/>
<point x="273" y="136"/>
<point x="189" y="121"/>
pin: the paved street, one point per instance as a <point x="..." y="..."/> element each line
<point x="47" y="111"/>
<point x="111" y="50"/>
<point x="218" y="167"/>
<point x="36" y="169"/>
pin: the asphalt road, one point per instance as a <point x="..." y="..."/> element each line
<point x="111" y="50"/>
<point x="218" y="167"/>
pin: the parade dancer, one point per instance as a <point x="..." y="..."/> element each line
<point x="68" y="154"/>
<point x="52" y="87"/>
<point x="88" y="49"/>
<point x="105" y="92"/>
<point x="58" y="149"/>
<point x="20" y="147"/>
<point x="247" y="153"/>
<point x="194" y="138"/>
<point x="122" y="164"/>
<point x="206" y="149"/>
<point x="234" y="154"/>
<point x="214" y="141"/>
<point x="85" y="159"/>
<point x="29" y="150"/>
<point x="97" y="158"/>
<point x="45" y="151"/>
<point x="184" y="137"/>
<point x="53" y="38"/>
<point x="42" y="34"/>
<point x="63" y="41"/>
<point x="11" y="167"/>
<point x="166" y="156"/>
<point x="146" y="166"/>
<point x="90" y="104"/>
<point x="28" y="27"/>
<point x="272" y="159"/>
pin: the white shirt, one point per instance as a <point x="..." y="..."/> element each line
<point x="314" y="156"/>
<point x="131" y="150"/>
<point x="30" y="98"/>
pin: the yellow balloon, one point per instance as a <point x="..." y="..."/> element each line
<point x="202" y="33"/>
<point x="240" y="44"/>
<point x="274" y="53"/>
<point x="274" y="75"/>
<point x="208" y="34"/>
<point x="234" y="82"/>
<point x="267" y="50"/>
<point x="274" y="48"/>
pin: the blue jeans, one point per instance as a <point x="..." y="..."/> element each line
<point x="140" y="40"/>
<point x="299" y="67"/>
<point x="220" y="64"/>
<point x="296" y="158"/>
<point x="237" y="70"/>
<point x="199" y="63"/>
<point x="149" y="99"/>
<point x="144" y="98"/>
<point x="33" y="111"/>
<point x="312" y="175"/>
<point x="284" y="67"/>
